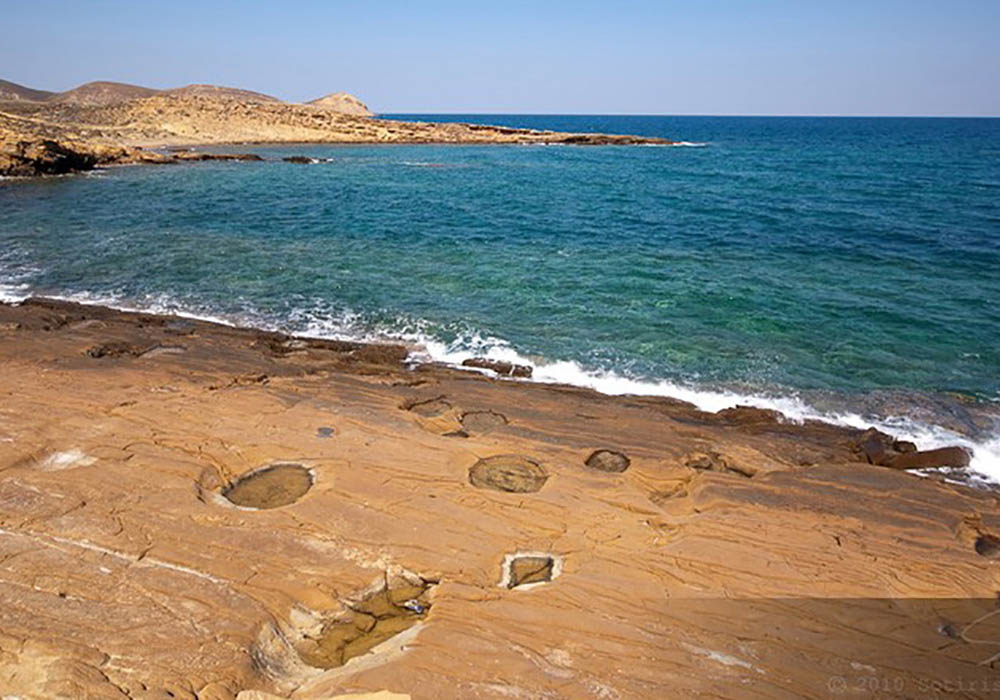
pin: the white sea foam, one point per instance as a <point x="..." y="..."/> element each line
<point x="688" y="144"/>
<point x="13" y="293"/>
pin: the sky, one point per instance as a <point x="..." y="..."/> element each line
<point x="800" y="57"/>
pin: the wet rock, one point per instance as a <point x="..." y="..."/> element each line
<point x="522" y="570"/>
<point x="748" y="415"/>
<point x="367" y="624"/>
<point x="504" y="369"/>
<point x="510" y="473"/>
<point x="876" y="447"/>
<point x="297" y="159"/>
<point x="608" y="461"/>
<point x="955" y="457"/>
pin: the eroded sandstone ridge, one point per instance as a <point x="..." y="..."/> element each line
<point x="193" y="510"/>
<point x="105" y="115"/>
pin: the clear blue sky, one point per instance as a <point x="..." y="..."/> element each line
<point x="865" y="57"/>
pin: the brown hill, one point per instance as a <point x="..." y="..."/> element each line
<point x="201" y="90"/>
<point x="343" y="103"/>
<point x="102" y="93"/>
<point x="13" y="91"/>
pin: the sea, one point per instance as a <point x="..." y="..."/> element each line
<point x="837" y="269"/>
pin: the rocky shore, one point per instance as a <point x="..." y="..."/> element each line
<point x="192" y="510"/>
<point x="108" y="123"/>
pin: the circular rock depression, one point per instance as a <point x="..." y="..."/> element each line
<point x="608" y="461"/>
<point x="270" y="487"/>
<point x="510" y="473"/>
<point x="483" y="421"/>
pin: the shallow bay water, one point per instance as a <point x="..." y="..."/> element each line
<point x="840" y="268"/>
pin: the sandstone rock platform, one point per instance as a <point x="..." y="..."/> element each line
<point x="724" y="558"/>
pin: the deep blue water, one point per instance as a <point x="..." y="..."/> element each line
<point x="850" y="264"/>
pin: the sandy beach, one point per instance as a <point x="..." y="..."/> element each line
<point x="192" y="510"/>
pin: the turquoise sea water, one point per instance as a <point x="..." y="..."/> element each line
<point x="842" y="268"/>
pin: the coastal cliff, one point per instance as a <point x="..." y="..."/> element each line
<point x="198" y="511"/>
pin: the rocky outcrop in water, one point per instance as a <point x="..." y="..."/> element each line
<point x="884" y="450"/>
<point x="43" y="157"/>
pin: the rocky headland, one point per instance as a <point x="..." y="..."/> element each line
<point x="192" y="510"/>
<point x="93" y="118"/>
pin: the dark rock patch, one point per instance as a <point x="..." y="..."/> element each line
<point x="509" y="473"/>
<point x="954" y="457"/>
<point x="504" y="369"/>
<point x="241" y="380"/>
<point x="179" y="327"/>
<point x="482" y="421"/>
<point x="218" y="156"/>
<point x="303" y="160"/>
<point x="280" y="345"/>
<point x="45" y="157"/>
<point x="325" y="432"/>
<point x="368" y="623"/>
<point x="876" y="447"/>
<point x="608" y="461"/>
<point x="748" y="415"/>
<point x="988" y="546"/>
<point x="115" y="349"/>
<point x="271" y="487"/>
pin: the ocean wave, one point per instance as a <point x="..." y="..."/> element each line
<point x="688" y="144"/>
<point x="320" y="321"/>
<point x="13" y="293"/>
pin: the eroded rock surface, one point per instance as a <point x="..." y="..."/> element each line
<point x="510" y="473"/>
<point x="124" y="572"/>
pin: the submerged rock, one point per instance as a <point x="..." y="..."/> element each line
<point x="219" y="156"/>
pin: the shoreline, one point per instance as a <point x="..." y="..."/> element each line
<point x="788" y="409"/>
<point x="665" y="534"/>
